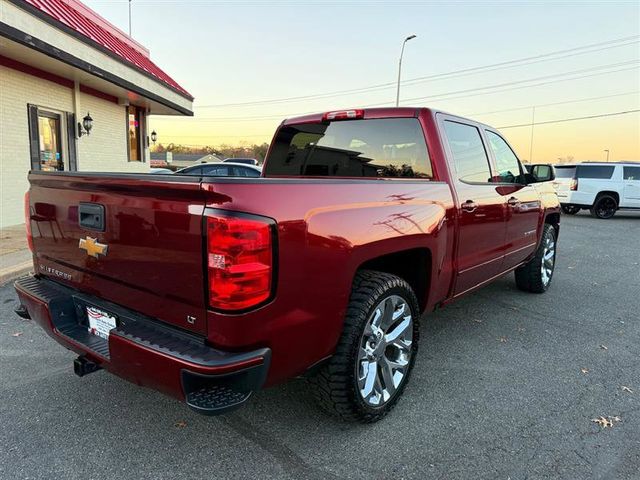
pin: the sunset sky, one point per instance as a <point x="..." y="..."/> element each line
<point x="244" y="61"/>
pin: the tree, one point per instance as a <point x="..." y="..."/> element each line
<point x="567" y="159"/>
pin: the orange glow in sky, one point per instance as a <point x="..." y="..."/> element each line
<point x="251" y="64"/>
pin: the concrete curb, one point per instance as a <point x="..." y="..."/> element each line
<point x="15" y="271"/>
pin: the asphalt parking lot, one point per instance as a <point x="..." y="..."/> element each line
<point x="506" y="386"/>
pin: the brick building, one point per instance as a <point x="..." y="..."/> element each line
<point x="61" y="63"/>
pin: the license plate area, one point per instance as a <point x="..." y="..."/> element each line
<point x="99" y="322"/>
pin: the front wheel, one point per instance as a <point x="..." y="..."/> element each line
<point x="604" y="207"/>
<point x="375" y="354"/>
<point x="535" y="276"/>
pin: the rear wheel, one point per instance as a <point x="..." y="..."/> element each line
<point x="570" y="209"/>
<point x="604" y="207"/>
<point x="375" y="354"/>
<point x="535" y="276"/>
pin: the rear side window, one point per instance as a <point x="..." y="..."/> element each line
<point x="390" y="147"/>
<point x="565" y="172"/>
<point x="469" y="156"/>
<point x="594" y="171"/>
<point x="218" y="171"/>
<point x="631" y="173"/>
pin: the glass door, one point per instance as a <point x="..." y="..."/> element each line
<point x="50" y="141"/>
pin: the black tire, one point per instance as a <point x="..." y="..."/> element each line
<point x="604" y="207"/>
<point x="336" y="384"/>
<point x="570" y="209"/>
<point x="530" y="277"/>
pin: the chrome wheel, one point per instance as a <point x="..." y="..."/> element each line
<point x="548" y="260"/>
<point x="384" y="354"/>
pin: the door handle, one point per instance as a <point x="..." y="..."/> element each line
<point x="469" y="206"/>
<point x="513" y="201"/>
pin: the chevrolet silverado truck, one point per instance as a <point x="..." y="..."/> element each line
<point x="210" y="288"/>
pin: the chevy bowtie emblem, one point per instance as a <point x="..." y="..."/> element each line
<point x="93" y="247"/>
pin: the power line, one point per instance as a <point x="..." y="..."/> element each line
<point x="518" y="82"/>
<point x="500" y="128"/>
<point x="636" y="92"/>
<point x="570" y="119"/>
<point x="438" y="97"/>
<point x="456" y="73"/>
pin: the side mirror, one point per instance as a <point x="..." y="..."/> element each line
<point x="542" y="173"/>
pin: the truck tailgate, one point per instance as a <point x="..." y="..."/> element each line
<point x="135" y="240"/>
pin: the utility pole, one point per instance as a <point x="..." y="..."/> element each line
<point x="607" y="155"/>
<point x="410" y="37"/>
<point x="533" y="120"/>
<point x="129" y="17"/>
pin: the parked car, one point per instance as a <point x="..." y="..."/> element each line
<point x="246" y="161"/>
<point x="160" y="171"/>
<point x="210" y="288"/>
<point x="603" y="188"/>
<point x="222" y="170"/>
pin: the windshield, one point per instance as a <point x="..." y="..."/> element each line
<point x="391" y="147"/>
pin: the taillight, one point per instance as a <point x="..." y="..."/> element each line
<point x="239" y="261"/>
<point x="343" y="115"/>
<point x="27" y="219"/>
<point x="574" y="184"/>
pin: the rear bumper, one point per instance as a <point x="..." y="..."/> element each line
<point x="146" y="352"/>
<point x="576" y="198"/>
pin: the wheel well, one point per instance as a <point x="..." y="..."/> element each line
<point x="413" y="266"/>
<point x="553" y="219"/>
<point x="615" y="195"/>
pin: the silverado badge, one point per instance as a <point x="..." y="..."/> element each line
<point x="93" y="247"/>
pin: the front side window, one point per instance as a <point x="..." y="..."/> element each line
<point x="50" y="141"/>
<point x="631" y="173"/>
<point x="390" y="147"/>
<point x="602" y="172"/>
<point x="134" y="118"/>
<point x="506" y="161"/>
<point x="469" y="156"/>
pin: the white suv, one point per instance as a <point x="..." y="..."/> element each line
<point x="603" y="188"/>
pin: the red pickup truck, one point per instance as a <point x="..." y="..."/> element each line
<point x="210" y="288"/>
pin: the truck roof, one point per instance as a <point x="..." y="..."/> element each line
<point x="378" y="112"/>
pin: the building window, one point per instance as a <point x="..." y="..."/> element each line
<point x="45" y="137"/>
<point x="135" y="117"/>
<point x="52" y="139"/>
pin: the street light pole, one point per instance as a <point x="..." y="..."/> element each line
<point x="129" y="17"/>
<point x="607" y="155"/>
<point x="533" y="122"/>
<point x="410" y="37"/>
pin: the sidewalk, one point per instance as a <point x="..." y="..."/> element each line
<point x="15" y="257"/>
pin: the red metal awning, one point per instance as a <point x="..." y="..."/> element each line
<point x="89" y="24"/>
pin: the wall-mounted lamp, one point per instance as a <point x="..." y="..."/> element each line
<point x="154" y="137"/>
<point x="87" y="125"/>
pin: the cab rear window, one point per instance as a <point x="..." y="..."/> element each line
<point x="392" y="147"/>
